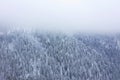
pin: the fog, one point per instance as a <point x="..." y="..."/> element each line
<point x="61" y="15"/>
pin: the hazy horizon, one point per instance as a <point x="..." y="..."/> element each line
<point x="61" y="15"/>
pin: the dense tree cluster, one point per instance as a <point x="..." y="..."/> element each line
<point x="56" y="56"/>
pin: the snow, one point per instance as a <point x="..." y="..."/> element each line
<point x="36" y="56"/>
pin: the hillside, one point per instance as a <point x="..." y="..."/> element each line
<point x="57" y="56"/>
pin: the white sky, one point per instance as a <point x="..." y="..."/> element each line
<point x="64" y="15"/>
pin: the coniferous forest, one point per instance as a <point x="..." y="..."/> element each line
<point x="58" y="56"/>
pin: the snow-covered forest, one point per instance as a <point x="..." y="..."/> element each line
<point x="57" y="56"/>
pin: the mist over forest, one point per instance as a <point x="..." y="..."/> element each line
<point x="59" y="39"/>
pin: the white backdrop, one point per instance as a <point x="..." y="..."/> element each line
<point x="63" y="15"/>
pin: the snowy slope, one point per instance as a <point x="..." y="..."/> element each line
<point x="49" y="56"/>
